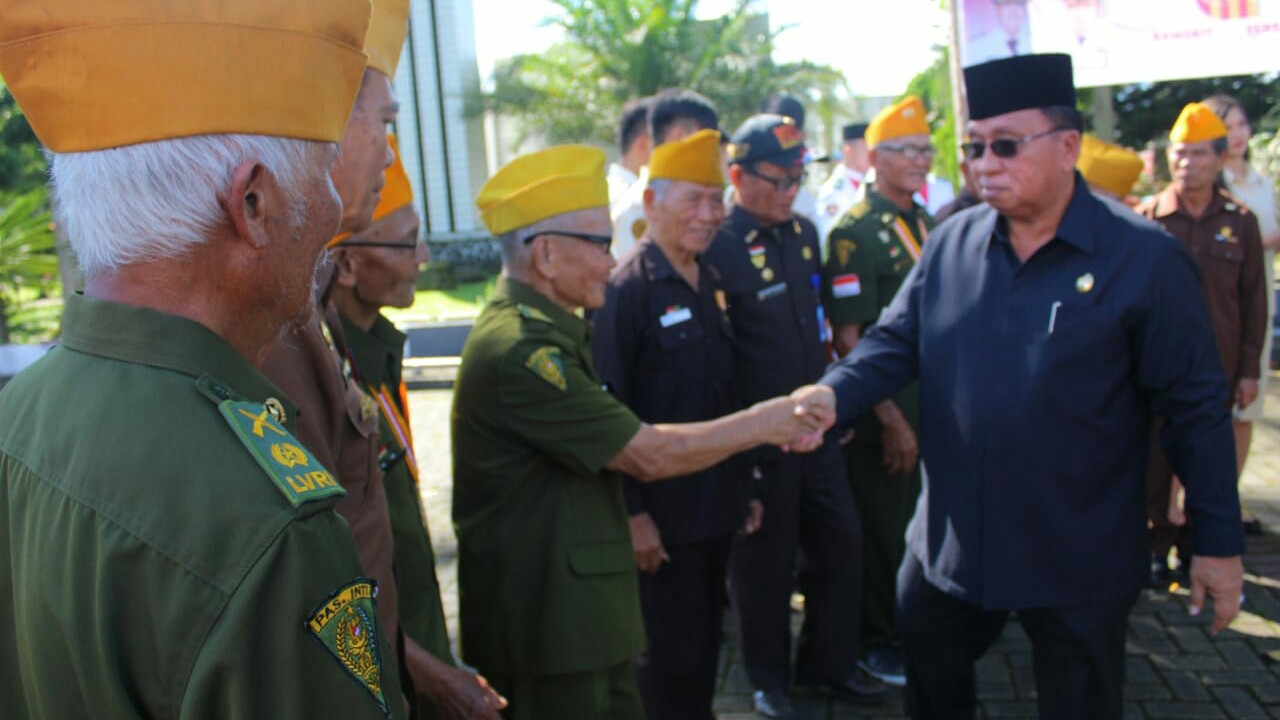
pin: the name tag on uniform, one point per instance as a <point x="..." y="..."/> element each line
<point x="771" y="291"/>
<point x="675" y="315"/>
<point x="846" y="286"/>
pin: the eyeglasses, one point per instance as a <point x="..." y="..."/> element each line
<point x="1003" y="147"/>
<point x="605" y="240"/>
<point x="388" y="245"/>
<point x="780" y="184"/>
<point x="910" y="152"/>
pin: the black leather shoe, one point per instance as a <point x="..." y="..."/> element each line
<point x="859" y="687"/>
<point x="776" y="705"/>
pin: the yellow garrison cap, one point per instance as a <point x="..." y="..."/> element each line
<point x="905" y="117"/>
<point x="1110" y="167"/>
<point x="95" y="74"/>
<point x="1197" y="123"/>
<point x="396" y="192"/>
<point x="694" y="159"/>
<point x="543" y="184"/>
<point x="387" y="30"/>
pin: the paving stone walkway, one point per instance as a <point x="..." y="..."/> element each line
<point x="1174" y="669"/>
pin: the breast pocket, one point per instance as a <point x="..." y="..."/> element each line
<point x="679" y="335"/>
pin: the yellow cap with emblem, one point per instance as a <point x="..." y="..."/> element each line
<point x="543" y="184"/>
<point x="1197" y="123"/>
<point x="694" y="159"/>
<point x="905" y="117"/>
<point x="1110" y="167"/>
<point x="108" y="73"/>
<point x="387" y="30"/>
<point x="396" y="193"/>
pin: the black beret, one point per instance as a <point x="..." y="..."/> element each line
<point x="774" y="138"/>
<point x="786" y="106"/>
<point x="856" y="131"/>
<point x="1022" y="82"/>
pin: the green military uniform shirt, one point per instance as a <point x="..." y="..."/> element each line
<point x="869" y="254"/>
<point x="546" y="575"/>
<point x="168" y="550"/>
<point x="378" y="354"/>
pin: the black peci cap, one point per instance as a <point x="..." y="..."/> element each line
<point x="1022" y="82"/>
<point x="856" y="131"/>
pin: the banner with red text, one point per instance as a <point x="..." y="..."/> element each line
<point x="1114" y="42"/>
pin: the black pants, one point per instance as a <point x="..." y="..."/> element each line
<point x="683" y="607"/>
<point x="1077" y="652"/>
<point x="807" y="506"/>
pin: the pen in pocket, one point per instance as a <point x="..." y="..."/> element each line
<point x="1053" y="314"/>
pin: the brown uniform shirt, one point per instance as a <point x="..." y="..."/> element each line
<point x="338" y="423"/>
<point x="1227" y="247"/>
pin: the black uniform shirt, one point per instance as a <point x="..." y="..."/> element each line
<point x="666" y="351"/>
<point x="772" y="278"/>
<point x="1038" y="382"/>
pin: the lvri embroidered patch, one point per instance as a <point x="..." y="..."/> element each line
<point x="347" y="625"/>
<point x="545" y="362"/>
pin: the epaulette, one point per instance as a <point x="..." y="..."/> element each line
<point x="859" y="211"/>
<point x="532" y="313"/>
<point x="260" y="428"/>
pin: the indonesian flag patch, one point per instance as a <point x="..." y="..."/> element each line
<point x="846" y="286"/>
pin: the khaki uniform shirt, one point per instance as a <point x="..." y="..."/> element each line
<point x="869" y="255"/>
<point x="1227" y="247"/>
<point x="378" y="354"/>
<point x="168" y="550"/>
<point x="546" y="576"/>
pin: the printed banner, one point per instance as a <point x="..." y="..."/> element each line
<point x="1115" y="42"/>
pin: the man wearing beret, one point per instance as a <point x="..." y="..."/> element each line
<point x="768" y="261"/>
<point x="1223" y="238"/>
<point x="1110" y="170"/>
<point x="868" y="257"/>
<point x="547" y="585"/>
<point x="674" y="114"/>
<point x="339" y="422"/>
<point x="1046" y="329"/>
<point x="663" y="344"/>
<point x="841" y="191"/>
<point x="199" y="568"/>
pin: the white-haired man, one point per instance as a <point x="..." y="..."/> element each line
<point x="169" y="549"/>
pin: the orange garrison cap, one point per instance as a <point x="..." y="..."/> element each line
<point x="1197" y="123"/>
<point x="96" y="74"/>
<point x="543" y="184"/>
<point x="1110" y="167"/>
<point x="694" y="159"/>
<point x="905" y="117"/>
<point x="387" y="30"/>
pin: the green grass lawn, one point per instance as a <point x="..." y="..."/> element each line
<point x="461" y="303"/>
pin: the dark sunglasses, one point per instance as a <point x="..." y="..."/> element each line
<point x="1002" y="147"/>
<point x="605" y="240"/>
<point x="779" y="184"/>
<point x="910" y="152"/>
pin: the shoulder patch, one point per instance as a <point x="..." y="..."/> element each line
<point x="860" y="210"/>
<point x="296" y="473"/>
<point x="545" y="362"/>
<point x="532" y="313"/>
<point x="347" y="625"/>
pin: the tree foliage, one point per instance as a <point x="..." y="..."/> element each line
<point x="22" y="164"/>
<point x="28" y="267"/>
<point x="616" y="50"/>
<point x="1147" y="110"/>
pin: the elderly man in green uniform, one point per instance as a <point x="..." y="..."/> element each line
<point x="547" y="584"/>
<point x="869" y="254"/>
<point x="168" y="548"/>
<point x="375" y="268"/>
<point x="339" y="423"/>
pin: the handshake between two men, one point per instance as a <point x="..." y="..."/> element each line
<point x="795" y="423"/>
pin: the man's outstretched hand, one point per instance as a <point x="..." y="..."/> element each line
<point x="818" y="403"/>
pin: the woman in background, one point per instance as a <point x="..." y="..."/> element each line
<point x="1256" y="191"/>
